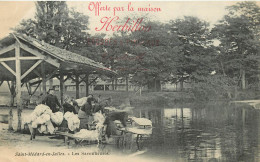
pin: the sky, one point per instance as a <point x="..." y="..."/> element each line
<point x="11" y="13"/>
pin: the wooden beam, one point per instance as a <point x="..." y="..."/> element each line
<point x="18" y="86"/>
<point x="30" y="58"/>
<point x="9" y="85"/>
<point x="31" y="68"/>
<point x="37" y="73"/>
<point x="93" y="80"/>
<point x="8" y="68"/>
<point x="86" y="82"/>
<point x="61" y="86"/>
<point x="51" y="61"/>
<point x="7" y="49"/>
<point x="36" y="88"/>
<point x="77" y="85"/>
<point x="66" y="78"/>
<point x="82" y="79"/>
<point x="7" y="59"/>
<point x="43" y="78"/>
<point x="28" y="88"/>
<point x="17" y="40"/>
<point x="71" y="77"/>
<point x="36" y="82"/>
<point x="51" y="75"/>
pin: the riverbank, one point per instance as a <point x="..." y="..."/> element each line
<point x="119" y="97"/>
<point x="154" y="99"/>
<point x="17" y="147"/>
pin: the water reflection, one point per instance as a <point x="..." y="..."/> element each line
<point x="211" y="133"/>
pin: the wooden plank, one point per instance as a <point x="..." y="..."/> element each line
<point x="18" y="86"/>
<point x="7" y="59"/>
<point x="8" y="68"/>
<point x="51" y="61"/>
<point x="30" y="58"/>
<point x="7" y="49"/>
<point x="31" y="68"/>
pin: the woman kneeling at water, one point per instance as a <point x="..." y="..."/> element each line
<point x="109" y="122"/>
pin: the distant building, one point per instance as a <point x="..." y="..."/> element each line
<point x="102" y="85"/>
<point x="174" y="86"/>
<point x="99" y="85"/>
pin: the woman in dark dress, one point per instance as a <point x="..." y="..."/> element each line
<point x="67" y="106"/>
<point x="109" y="122"/>
<point x="51" y="100"/>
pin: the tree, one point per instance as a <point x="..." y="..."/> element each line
<point x="193" y="61"/>
<point x="156" y="50"/>
<point x="55" y="24"/>
<point x="238" y="33"/>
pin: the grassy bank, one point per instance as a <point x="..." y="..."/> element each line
<point x="136" y="100"/>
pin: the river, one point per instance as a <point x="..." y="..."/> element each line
<point x="212" y="133"/>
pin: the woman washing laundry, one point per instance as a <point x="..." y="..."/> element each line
<point x="110" y="126"/>
<point x="68" y="105"/>
<point x="85" y="111"/>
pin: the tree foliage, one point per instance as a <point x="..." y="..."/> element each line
<point x="179" y="51"/>
<point x="57" y="25"/>
<point x="238" y="33"/>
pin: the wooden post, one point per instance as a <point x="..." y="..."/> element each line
<point x="40" y="89"/>
<point x="50" y="83"/>
<point x="61" y="86"/>
<point x="10" y="118"/>
<point x="86" y="81"/>
<point x="18" y="85"/>
<point x="77" y="85"/>
<point x="43" y="78"/>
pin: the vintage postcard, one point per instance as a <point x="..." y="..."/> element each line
<point x="170" y="81"/>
